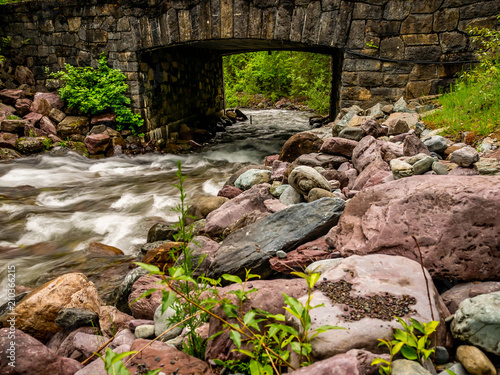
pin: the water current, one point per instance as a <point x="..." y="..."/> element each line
<point x="52" y="207"/>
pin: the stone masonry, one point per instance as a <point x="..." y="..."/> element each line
<point x="171" y="50"/>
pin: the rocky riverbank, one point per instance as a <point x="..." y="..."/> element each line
<point x="361" y="200"/>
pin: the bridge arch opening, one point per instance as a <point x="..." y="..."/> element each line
<point x="185" y="82"/>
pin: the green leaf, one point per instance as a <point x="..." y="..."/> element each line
<point x="153" y="270"/>
<point x="246" y="352"/>
<point x="417" y="325"/>
<point x="167" y="299"/>
<point x="236" y="337"/>
<point x="232" y="278"/>
<point x="431" y="327"/>
<point x="396" y="348"/>
<point x="145" y="294"/>
<point x="409" y="353"/>
<point x="376" y="361"/>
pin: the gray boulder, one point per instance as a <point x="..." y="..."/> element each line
<point x="252" y="246"/>
<point x="436" y="144"/>
<point x="252" y="177"/>
<point x="465" y="157"/>
<point x="290" y="196"/>
<point x="304" y="178"/>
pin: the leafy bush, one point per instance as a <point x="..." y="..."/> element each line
<point x="97" y="90"/>
<point x="472" y="105"/>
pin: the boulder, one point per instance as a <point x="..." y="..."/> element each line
<point x="367" y="151"/>
<point x="407" y="367"/>
<point x="304" y="178"/>
<point x="363" y="294"/>
<point x="47" y="126"/>
<point x="144" y="308"/>
<point x="369" y="172"/>
<point x="202" y="206"/>
<point x="477" y="321"/>
<point x="412" y="145"/>
<point x="374" y="128"/>
<point x="169" y="359"/>
<point x="100" y="249"/>
<point x="236" y="208"/>
<point x="251" y="248"/>
<point x="338" y="146"/>
<point x="464" y="246"/>
<point x="453" y="297"/>
<point x="436" y="143"/>
<point x="164" y="255"/>
<point x="56" y="115"/>
<point x="290" y="196"/>
<point x="162" y="324"/>
<point x="319" y="160"/>
<point x="465" y="156"/>
<point x="72" y="125"/>
<point x="231" y="180"/>
<point x="8" y="154"/>
<point x="74" y="318"/>
<point x="298" y="144"/>
<point x="32" y="357"/>
<point x="54" y="100"/>
<point x="252" y="177"/>
<point x="13" y="126"/>
<point x="488" y="166"/>
<point x="41" y="105"/>
<point x="279" y="170"/>
<point x="23" y="106"/>
<point x="229" y="192"/>
<point x="112" y="320"/>
<point x="267" y="297"/>
<point x="8" y="140"/>
<point x="354" y="362"/>
<point x="10" y="96"/>
<point x="475" y="361"/>
<point x="352" y="133"/>
<point x="37" y="312"/>
<point x="97" y="143"/>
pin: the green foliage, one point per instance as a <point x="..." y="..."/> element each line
<point x="473" y="104"/>
<point x="47" y="142"/>
<point x="97" y="90"/>
<point x="113" y="364"/>
<point x="278" y="74"/>
<point x="13" y="117"/>
<point x="412" y="341"/>
<point x="9" y="1"/>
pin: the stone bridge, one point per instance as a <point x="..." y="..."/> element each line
<point x="171" y="50"/>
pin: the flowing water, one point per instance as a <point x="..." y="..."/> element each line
<point x="52" y="207"/>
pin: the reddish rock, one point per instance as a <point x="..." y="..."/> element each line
<point x="457" y="236"/>
<point x="105" y="119"/>
<point x="133" y="324"/>
<point x="333" y="174"/>
<point x="378" y="178"/>
<point x="13" y="126"/>
<point x="32" y="357"/>
<point x="460" y="171"/>
<point x="231" y="211"/>
<point x="202" y="206"/>
<point x="279" y="171"/>
<point x="338" y="146"/>
<point x="374" y="128"/>
<point x="73" y="125"/>
<point x="54" y="100"/>
<point x="270" y="160"/>
<point x="31" y="131"/>
<point x="246" y="219"/>
<point x="81" y="343"/>
<point x="202" y="246"/>
<point x="413" y="145"/>
<point x="97" y="143"/>
<point x="47" y="126"/>
<point x="100" y="249"/>
<point x="369" y="281"/>
<point x="23" y="106"/>
<point x="8" y="140"/>
<point x="33" y="118"/>
<point x="390" y="150"/>
<point x="168" y="359"/>
<point x="112" y="321"/>
<point x="304" y="255"/>
<point x="299" y="144"/>
<point x="24" y="76"/>
<point x="410" y="120"/>
<point x="41" y="105"/>
<point x="9" y="96"/>
<point x="366" y="152"/>
<point x="453" y="297"/>
<point x="144" y="308"/>
<point x="268" y="297"/>
<point x="369" y="172"/>
<point x="229" y="191"/>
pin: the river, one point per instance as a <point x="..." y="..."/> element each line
<point x="52" y="207"/>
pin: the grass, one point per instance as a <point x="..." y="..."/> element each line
<point x="473" y="105"/>
<point x="9" y="1"/>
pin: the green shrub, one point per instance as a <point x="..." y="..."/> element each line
<point x="97" y="90"/>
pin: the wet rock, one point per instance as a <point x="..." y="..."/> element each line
<point x="363" y="294"/>
<point x="290" y="196"/>
<point x="144" y="308"/>
<point x="32" y="357"/>
<point x="162" y="232"/>
<point x="299" y="144"/>
<point x="203" y="206"/>
<point x="229" y="192"/>
<point x="37" y="312"/>
<point x="453" y="297"/>
<point x="112" y="320"/>
<point x="252" y="247"/>
<point x="252" y="177"/>
<point x="74" y="318"/>
<point x="97" y="143"/>
<point x="382" y="219"/>
<point x="73" y="125"/>
<point x="477" y="321"/>
<point x="436" y="144"/>
<point x="475" y="361"/>
<point x="304" y="178"/>
<point x="338" y="146"/>
<point x="465" y="157"/>
<point x="100" y="249"/>
<point x="170" y="360"/>
<point x="236" y="208"/>
<point x="268" y="297"/>
<point x="406" y="367"/>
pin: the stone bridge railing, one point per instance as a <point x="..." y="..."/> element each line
<point x="171" y="50"/>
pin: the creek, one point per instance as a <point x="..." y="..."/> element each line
<point x="52" y="207"/>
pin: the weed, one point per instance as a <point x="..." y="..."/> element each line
<point x="12" y="117"/>
<point x="47" y="143"/>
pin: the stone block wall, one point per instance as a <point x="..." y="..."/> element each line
<point x="180" y="83"/>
